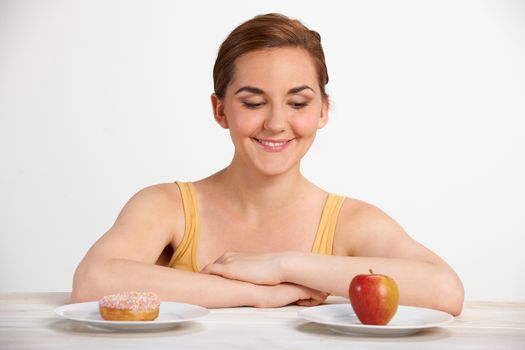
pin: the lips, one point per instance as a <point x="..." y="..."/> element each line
<point x="273" y="145"/>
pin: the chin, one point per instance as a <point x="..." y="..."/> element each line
<point x="270" y="165"/>
<point x="276" y="170"/>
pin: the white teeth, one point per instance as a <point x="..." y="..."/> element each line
<point x="272" y="143"/>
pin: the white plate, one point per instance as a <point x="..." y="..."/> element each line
<point x="170" y="315"/>
<point x="408" y="320"/>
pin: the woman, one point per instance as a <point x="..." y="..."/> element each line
<point x="258" y="233"/>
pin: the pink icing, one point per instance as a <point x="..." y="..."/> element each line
<point x="135" y="301"/>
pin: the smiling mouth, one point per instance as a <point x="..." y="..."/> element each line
<point x="273" y="145"/>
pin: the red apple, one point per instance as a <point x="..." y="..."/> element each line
<point x="374" y="298"/>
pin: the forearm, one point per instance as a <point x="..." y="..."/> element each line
<point x="420" y="283"/>
<point x="116" y="275"/>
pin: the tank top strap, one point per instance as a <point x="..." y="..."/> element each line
<point x="324" y="239"/>
<point x="185" y="255"/>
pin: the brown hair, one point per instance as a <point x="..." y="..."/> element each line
<point x="267" y="31"/>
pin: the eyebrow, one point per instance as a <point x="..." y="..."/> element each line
<point x="251" y="89"/>
<point x="257" y="91"/>
<point x="298" y="89"/>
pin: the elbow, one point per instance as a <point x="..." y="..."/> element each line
<point x="454" y="303"/>
<point x="457" y="299"/>
<point x="451" y="295"/>
<point x="86" y="284"/>
<point x="80" y="294"/>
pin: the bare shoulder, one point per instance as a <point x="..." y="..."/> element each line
<point x="363" y="228"/>
<point x="153" y="214"/>
<point x="155" y="199"/>
<point x="150" y="221"/>
<point x="156" y="205"/>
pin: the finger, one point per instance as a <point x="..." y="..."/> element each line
<point x="227" y="255"/>
<point x="321" y="296"/>
<point x="206" y="269"/>
<point x="307" y="302"/>
<point x="310" y="301"/>
<point x="317" y="294"/>
<point x="213" y="269"/>
<point x="312" y="297"/>
<point x="221" y="270"/>
<point x="221" y="259"/>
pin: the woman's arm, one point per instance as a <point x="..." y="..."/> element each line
<point x="366" y="239"/>
<point x="124" y="259"/>
<point x="421" y="283"/>
<point x="117" y="275"/>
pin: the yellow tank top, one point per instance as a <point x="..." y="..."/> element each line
<point x="185" y="256"/>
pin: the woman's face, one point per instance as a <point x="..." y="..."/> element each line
<point x="273" y="107"/>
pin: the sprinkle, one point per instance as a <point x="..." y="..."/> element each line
<point x="136" y="301"/>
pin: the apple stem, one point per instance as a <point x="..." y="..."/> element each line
<point x="371" y="272"/>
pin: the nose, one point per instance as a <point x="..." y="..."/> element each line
<point x="276" y="120"/>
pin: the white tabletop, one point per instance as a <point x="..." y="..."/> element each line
<point x="27" y="321"/>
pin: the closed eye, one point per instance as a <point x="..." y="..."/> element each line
<point x="295" y="105"/>
<point x="252" y="105"/>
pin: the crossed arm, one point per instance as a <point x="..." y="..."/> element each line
<point x="124" y="259"/>
<point x="367" y="239"/>
<point x="421" y="283"/>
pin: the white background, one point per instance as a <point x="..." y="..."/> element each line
<point x="101" y="98"/>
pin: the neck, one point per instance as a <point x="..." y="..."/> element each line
<point x="256" y="191"/>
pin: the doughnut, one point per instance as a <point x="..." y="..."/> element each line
<point x="129" y="306"/>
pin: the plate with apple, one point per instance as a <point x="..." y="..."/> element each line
<point x="374" y="310"/>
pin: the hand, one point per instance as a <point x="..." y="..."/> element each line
<point x="256" y="268"/>
<point x="285" y="294"/>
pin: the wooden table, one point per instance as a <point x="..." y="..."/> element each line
<point x="27" y="321"/>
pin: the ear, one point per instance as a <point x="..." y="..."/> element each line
<point x="324" y="113"/>
<point x="218" y="111"/>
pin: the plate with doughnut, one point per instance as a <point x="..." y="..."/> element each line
<point x="132" y="311"/>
